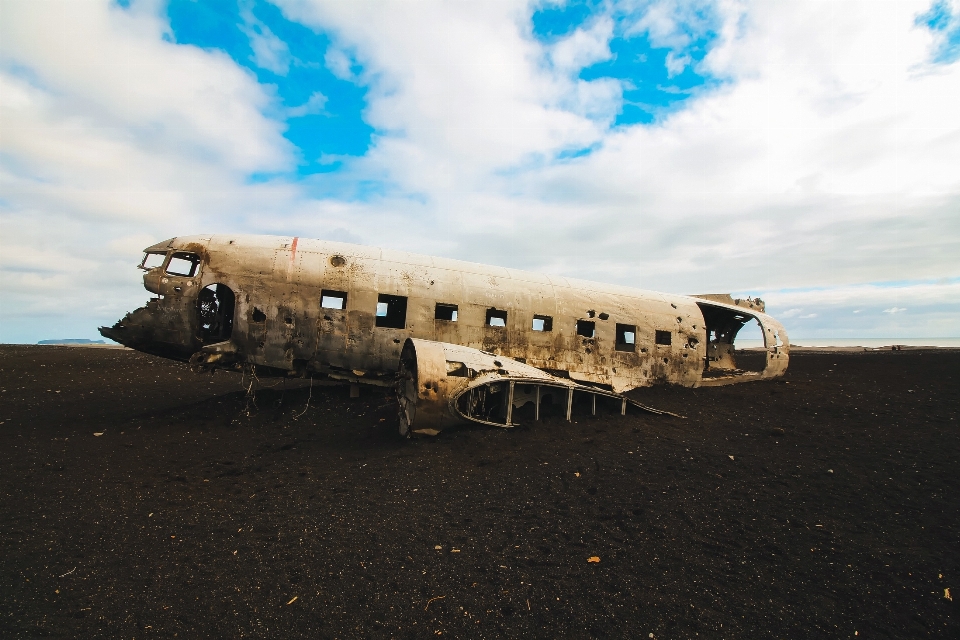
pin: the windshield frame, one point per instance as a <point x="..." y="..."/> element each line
<point x="185" y="256"/>
<point x="147" y="254"/>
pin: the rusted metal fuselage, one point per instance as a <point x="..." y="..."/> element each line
<point x="458" y="333"/>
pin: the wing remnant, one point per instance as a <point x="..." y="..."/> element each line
<point x="440" y="384"/>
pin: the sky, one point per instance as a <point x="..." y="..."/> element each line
<point x="807" y="152"/>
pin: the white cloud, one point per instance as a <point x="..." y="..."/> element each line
<point x="873" y="310"/>
<point x="104" y="68"/>
<point x="110" y="136"/>
<point x="946" y="35"/>
<point x="339" y="63"/>
<point x="668" y="23"/>
<point x="863" y="297"/>
<point x="269" y="51"/>
<point x="583" y="47"/>
<point x="460" y="90"/>
<point x="677" y="63"/>
<point x="827" y="159"/>
<point x="314" y="105"/>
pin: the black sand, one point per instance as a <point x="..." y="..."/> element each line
<point x="822" y="505"/>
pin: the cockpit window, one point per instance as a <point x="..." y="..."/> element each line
<point x="183" y="264"/>
<point x="152" y="261"/>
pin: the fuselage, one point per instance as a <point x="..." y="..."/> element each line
<point x="318" y="307"/>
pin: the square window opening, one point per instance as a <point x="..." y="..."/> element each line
<point x="496" y="318"/>
<point x="664" y="337"/>
<point x="446" y="312"/>
<point x="183" y="264"/>
<point x="586" y="328"/>
<point x="152" y="261"/>
<point x="542" y="323"/>
<point x="391" y="311"/>
<point x="626" y="337"/>
<point x="333" y="299"/>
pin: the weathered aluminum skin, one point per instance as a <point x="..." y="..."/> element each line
<point x="278" y="323"/>
<point x="440" y="384"/>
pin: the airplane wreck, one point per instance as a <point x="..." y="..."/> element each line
<point x="458" y="341"/>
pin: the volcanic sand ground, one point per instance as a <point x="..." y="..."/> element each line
<point x="824" y="505"/>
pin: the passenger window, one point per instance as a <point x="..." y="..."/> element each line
<point x="542" y="323"/>
<point x="586" y="328"/>
<point x="391" y="311"/>
<point x="446" y="312"/>
<point x="663" y="337"/>
<point x="333" y="299"/>
<point x="183" y="264"/>
<point x="152" y="261"/>
<point x="626" y="337"/>
<point x="496" y="318"/>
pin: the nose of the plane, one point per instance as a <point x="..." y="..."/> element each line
<point x="112" y="333"/>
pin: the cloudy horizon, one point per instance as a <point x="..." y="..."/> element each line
<point x="802" y="152"/>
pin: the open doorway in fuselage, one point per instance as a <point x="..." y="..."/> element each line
<point x="735" y="343"/>
<point x="215" y="307"/>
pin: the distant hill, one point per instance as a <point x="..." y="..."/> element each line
<point x="73" y="341"/>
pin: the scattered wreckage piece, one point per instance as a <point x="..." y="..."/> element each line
<point x="471" y="342"/>
<point x="440" y="384"/>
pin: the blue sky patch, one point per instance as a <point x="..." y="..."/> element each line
<point x="554" y="22"/>
<point x="570" y="154"/>
<point x="323" y="110"/>
<point x="941" y="20"/>
<point x="657" y="81"/>
<point x="657" y="78"/>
